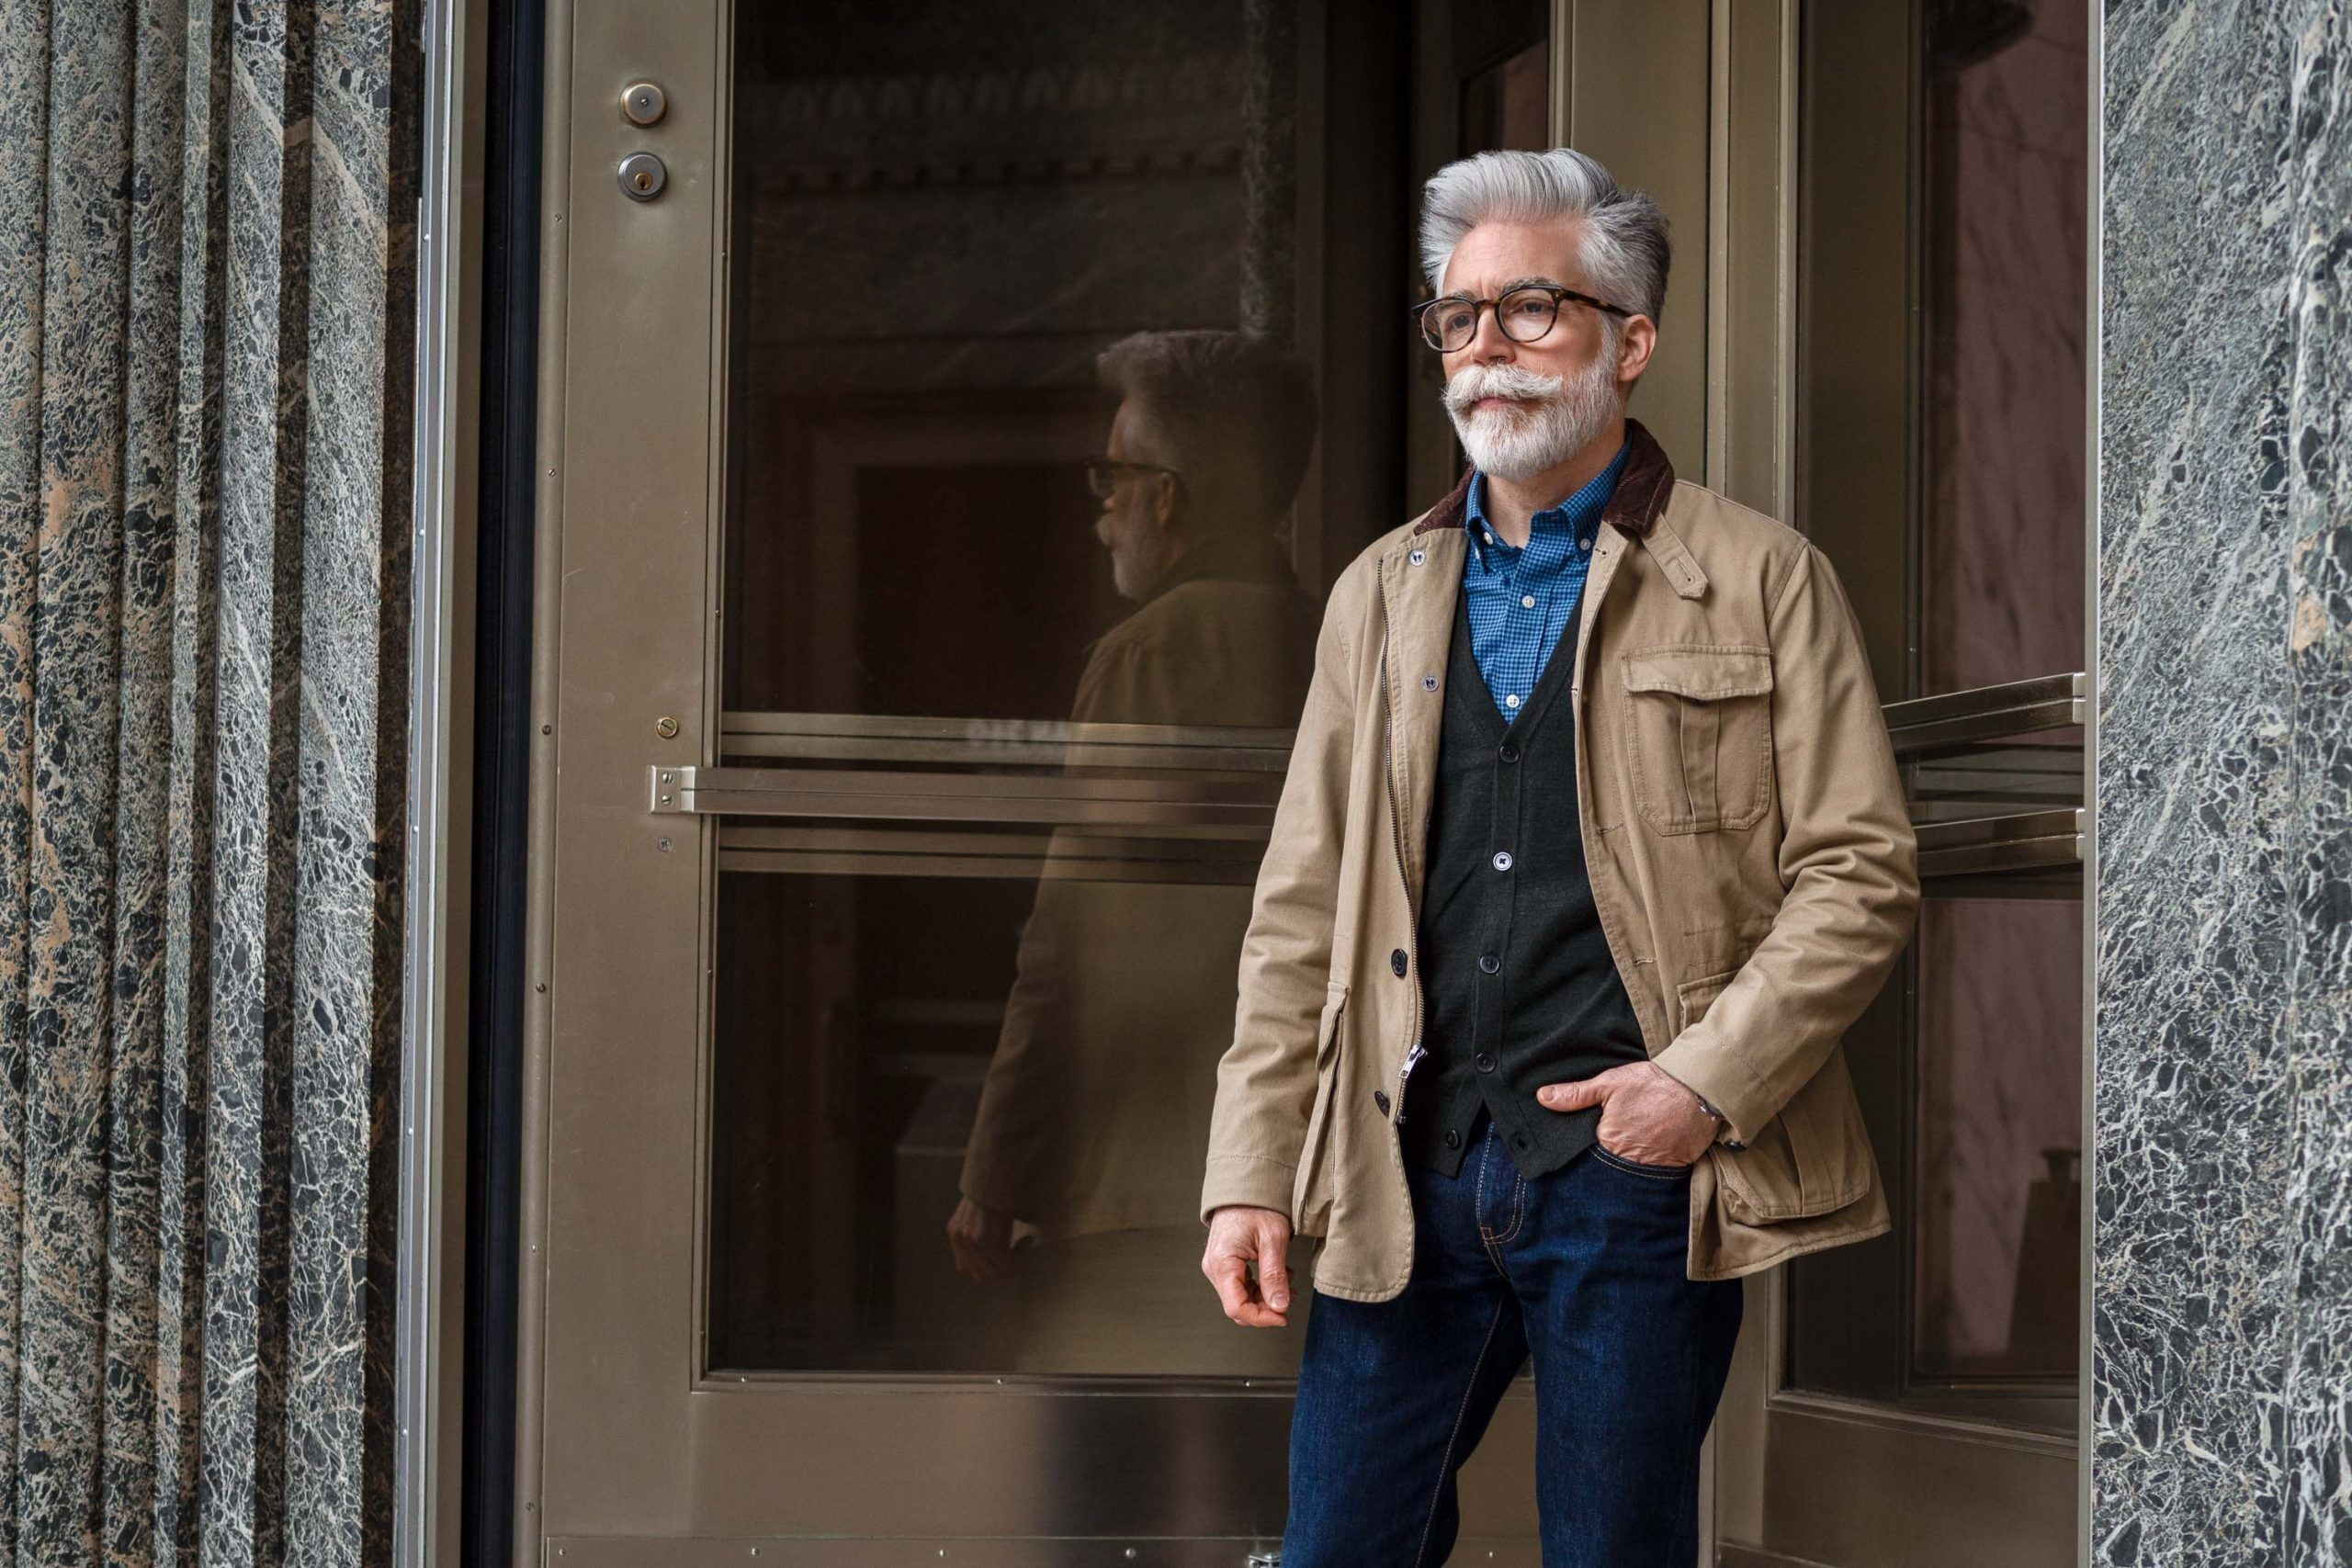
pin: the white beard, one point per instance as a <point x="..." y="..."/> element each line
<point x="1557" y="418"/>
<point x="1138" y="560"/>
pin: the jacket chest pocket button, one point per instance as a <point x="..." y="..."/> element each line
<point x="1396" y="963"/>
<point x="1380" y="1099"/>
<point x="1698" y="734"/>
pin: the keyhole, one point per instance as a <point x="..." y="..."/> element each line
<point x="642" y="176"/>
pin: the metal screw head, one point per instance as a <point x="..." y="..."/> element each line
<point x="667" y="846"/>
<point x="666" y="727"/>
<point x="644" y="103"/>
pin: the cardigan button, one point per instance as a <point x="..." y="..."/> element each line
<point x="1396" y="963"/>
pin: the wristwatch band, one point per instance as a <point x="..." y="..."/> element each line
<point x="1724" y="1121"/>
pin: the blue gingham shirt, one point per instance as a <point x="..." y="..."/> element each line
<point x="1520" y="600"/>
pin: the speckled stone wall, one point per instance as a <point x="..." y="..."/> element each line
<point x="2222" y="1235"/>
<point x="206" y="261"/>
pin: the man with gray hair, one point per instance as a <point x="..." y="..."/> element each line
<point x="1098" y="1094"/>
<point x="1591" y="846"/>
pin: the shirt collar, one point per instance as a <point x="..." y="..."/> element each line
<point x="1579" y="514"/>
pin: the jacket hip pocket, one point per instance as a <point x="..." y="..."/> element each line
<point x="1311" y="1187"/>
<point x="1697" y="735"/>
<point x="1812" y="1158"/>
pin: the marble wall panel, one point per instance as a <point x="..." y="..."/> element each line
<point x="2223" y="1182"/>
<point x="206" y="262"/>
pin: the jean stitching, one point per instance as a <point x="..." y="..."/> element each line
<point x="1518" y="1213"/>
<point x="1445" y="1460"/>
<point x="1478" y="1198"/>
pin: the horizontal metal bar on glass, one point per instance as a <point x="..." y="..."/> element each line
<point x="1143" y="803"/>
<point x="1214" y="858"/>
<point x="1967" y="780"/>
<point x="2020" y="840"/>
<point x="1002" y="742"/>
<point x="1107" y="803"/>
<point x="1987" y="712"/>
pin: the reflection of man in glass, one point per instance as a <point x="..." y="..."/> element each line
<point x="1097" y="1099"/>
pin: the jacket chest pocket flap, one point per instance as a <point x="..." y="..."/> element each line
<point x="1311" y="1189"/>
<point x="1699" y="734"/>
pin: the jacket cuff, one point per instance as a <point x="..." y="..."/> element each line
<point x="990" y="1189"/>
<point x="1714" y="1075"/>
<point x="1247" y="1180"/>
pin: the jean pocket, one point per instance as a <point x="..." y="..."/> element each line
<point x="1641" y="1167"/>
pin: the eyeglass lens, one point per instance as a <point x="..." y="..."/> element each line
<point x="1524" y="314"/>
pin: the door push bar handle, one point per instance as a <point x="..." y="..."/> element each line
<point x="1218" y="803"/>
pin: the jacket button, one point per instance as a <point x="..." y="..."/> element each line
<point x="1396" y="963"/>
<point x="1502" y="859"/>
<point x="1485" y="1063"/>
<point x="1380" y="1098"/>
<point x="1453" y="1139"/>
<point x="1489" y="963"/>
<point x="1509" y="752"/>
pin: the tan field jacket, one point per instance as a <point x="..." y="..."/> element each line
<point x="1098" y="1096"/>
<point x="1745" y="829"/>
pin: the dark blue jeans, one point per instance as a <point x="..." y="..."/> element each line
<point x="1585" y="1267"/>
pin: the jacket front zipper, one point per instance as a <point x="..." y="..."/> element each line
<point x="1414" y="1052"/>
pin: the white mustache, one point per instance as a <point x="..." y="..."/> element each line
<point x="1515" y="381"/>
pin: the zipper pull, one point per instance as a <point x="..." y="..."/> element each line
<point x="1412" y="1059"/>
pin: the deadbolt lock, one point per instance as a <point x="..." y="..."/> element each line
<point x="644" y="103"/>
<point x="642" y="176"/>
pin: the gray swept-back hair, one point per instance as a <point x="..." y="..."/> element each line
<point x="1625" y="249"/>
<point x="1232" y="413"/>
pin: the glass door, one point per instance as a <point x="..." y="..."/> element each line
<point x="1914" y="1401"/>
<point x="963" y="409"/>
